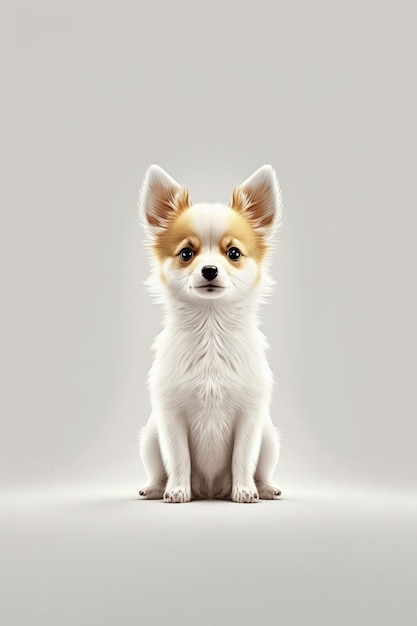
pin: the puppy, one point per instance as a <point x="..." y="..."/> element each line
<point x="210" y="434"/>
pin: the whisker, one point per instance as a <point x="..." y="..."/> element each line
<point x="236" y="279"/>
<point x="180" y="279"/>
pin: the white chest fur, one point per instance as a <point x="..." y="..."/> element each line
<point x="210" y="370"/>
<point x="210" y="358"/>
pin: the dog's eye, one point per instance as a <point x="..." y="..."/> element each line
<point x="234" y="254"/>
<point x="186" y="254"/>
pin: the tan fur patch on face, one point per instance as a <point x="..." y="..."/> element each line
<point x="241" y="234"/>
<point x="176" y="236"/>
<point x="238" y="232"/>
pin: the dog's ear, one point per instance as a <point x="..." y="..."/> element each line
<point x="160" y="198"/>
<point x="259" y="198"/>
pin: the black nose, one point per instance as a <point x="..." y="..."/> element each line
<point x="209" y="272"/>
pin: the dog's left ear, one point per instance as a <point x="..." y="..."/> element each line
<point x="259" y="198"/>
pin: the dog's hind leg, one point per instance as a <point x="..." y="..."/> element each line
<point x="268" y="459"/>
<point x="152" y="461"/>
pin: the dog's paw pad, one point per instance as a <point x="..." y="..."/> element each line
<point x="177" y="494"/>
<point x="245" y="494"/>
<point x="152" y="492"/>
<point x="268" y="492"/>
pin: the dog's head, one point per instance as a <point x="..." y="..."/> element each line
<point x="210" y="251"/>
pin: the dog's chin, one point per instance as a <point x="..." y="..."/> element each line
<point x="209" y="291"/>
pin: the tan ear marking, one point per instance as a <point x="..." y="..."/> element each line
<point x="165" y="205"/>
<point x="257" y="207"/>
<point x="182" y="200"/>
<point x="161" y="198"/>
<point x="258" y="198"/>
<point x="239" y="201"/>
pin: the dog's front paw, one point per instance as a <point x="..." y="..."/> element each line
<point x="153" y="491"/>
<point x="268" y="492"/>
<point x="242" y="493"/>
<point x="177" y="494"/>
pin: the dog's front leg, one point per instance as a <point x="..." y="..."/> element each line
<point x="175" y="452"/>
<point x="247" y="444"/>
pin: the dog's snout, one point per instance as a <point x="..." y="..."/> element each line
<point x="209" y="272"/>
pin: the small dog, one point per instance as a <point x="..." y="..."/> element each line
<point x="210" y="434"/>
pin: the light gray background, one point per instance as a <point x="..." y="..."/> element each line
<point x="92" y="93"/>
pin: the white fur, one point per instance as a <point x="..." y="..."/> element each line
<point x="210" y="433"/>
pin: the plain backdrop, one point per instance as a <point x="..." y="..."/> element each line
<point x="92" y="93"/>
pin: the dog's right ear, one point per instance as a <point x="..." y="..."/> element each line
<point x="160" y="198"/>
